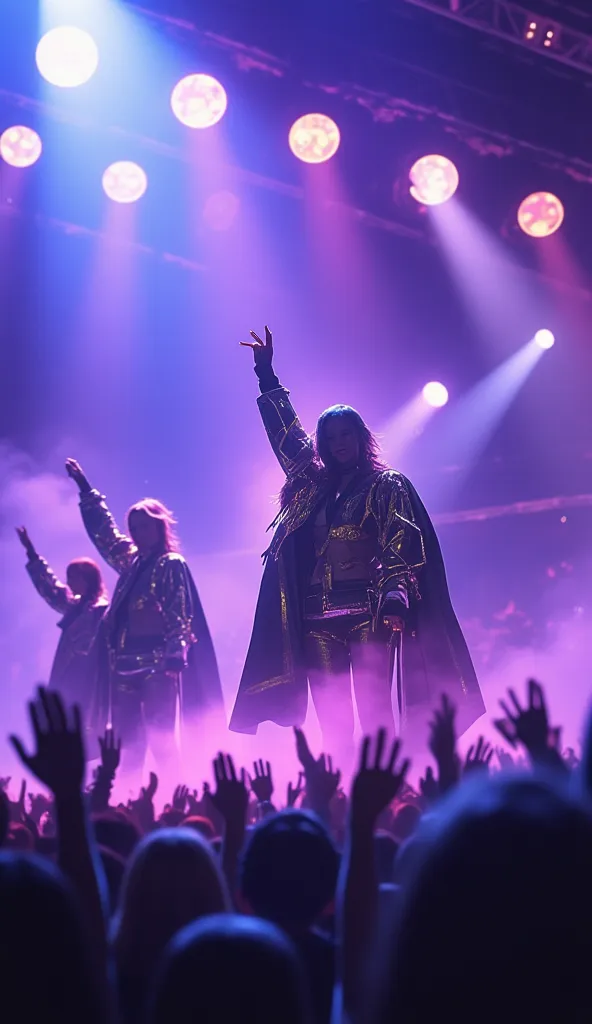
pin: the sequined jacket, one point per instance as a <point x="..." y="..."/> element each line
<point x="376" y="506"/>
<point x="161" y="592"/>
<point x="74" y="667"/>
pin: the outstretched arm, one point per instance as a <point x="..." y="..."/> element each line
<point x="48" y="586"/>
<point x="115" y="547"/>
<point x="292" y="445"/>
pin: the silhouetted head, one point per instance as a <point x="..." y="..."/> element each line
<point x="233" y="969"/>
<point x="151" y="527"/>
<point x="344" y="441"/>
<point x="496" y="910"/>
<point x="84" y="579"/>
<point x="289" y="868"/>
<point x="44" y="951"/>
<point x="172" y="878"/>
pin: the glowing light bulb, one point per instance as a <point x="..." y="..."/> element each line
<point x="199" y="101"/>
<point x="540" y="214"/>
<point x="20" y="146"/>
<point x="314" y="138"/>
<point x="434" y="180"/>
<point x="125" y="182"/>
<point x="544" y="338"/>
<point x="67" y="56"/>
<point x="435" y="394"/>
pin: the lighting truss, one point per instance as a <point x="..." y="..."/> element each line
<point x="515" y="23"/>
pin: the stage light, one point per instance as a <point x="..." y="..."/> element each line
<point x="67" y="56"/>
<point x="125" y="182"/>
<point x="544" y="338"/>
<point x="199" y="101"/>
<point x="540" y="214"/>
<point x="314" y="138"/>
<point x="20" y="146"/>
<point x="435" y="394"/>
<point x="434" y="180"/>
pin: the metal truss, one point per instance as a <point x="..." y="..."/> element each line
<point x="515" y="23"/>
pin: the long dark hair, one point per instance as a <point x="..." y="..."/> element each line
<point x="323" y="464"/>
<point x="92" y="575"/>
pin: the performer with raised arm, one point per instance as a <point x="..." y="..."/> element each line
<point x="82" y="603"/>
<point x="157" y="638"/>
<point x="353" y="574"/>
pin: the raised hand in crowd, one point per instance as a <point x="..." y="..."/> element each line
<point x="142" y="809"/>
<point x="231" y="800"/>
<point x="506" y="761"/>
<point x="180" y="798"/>
<point x="429" y="788"/>
<point x="262" y="781"/>
<point x="322" y="782"/>
<point x="529" y="726"/>
<point x="294" y="792"/>
<point x="27" y="543"/>
<point x="58" y="761"/>
<point x="478" y="757"/>
<point x="76" y="473"/>
<point x="376" y="784"/>
<point x="100" y="791"/>
<point x="442" y="743"/>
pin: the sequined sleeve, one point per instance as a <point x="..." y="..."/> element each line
<point x="117" y="549"/>
<point x="57" y="594"/>
<point x="400" y="540"/>
<point x="176" y="606"/>
<point x="292" y="445"/>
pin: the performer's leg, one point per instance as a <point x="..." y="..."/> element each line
<point x="128" y="722"/>
<point x="372" y="665"/>
<point x="159" y="707"/>
<point x="328" y="666"/>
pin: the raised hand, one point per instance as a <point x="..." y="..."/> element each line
<point x="26" y="541"/>
<point x="58" y="761"/>
<point x="110" y="751"/>
<point x="529" y="725"/>
<point x="429" y="788"/>
<point x="478" y="757"/>
<point x="295" y="791"/>
<point x="262" y="783"/>
<point x="231" y="798"/>
<point x="180" y="797"/>
<point x="376" y="784"/>
<point x="303" y="751"/>
<point x="262" y="350"/>
<point x="442" y="743"/>
<point x="76" y="473"/>
<point x="143" y="807"/>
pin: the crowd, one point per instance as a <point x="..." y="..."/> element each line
<point x="468" y="899"/>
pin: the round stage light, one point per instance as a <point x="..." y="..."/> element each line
<point x="544" y="338"/>
<point x="199" y="101"/>
<point x="435" y="394"/>
<point x="314" y="138"/>
<point x="20" y="146"/>
<point x="67" y="56"/>
<point x="540" y="214"/>
<point x="125" y="182"/>
<point x="434" y="180"/>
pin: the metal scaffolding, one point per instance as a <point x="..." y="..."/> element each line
<point x="515" y="23"/>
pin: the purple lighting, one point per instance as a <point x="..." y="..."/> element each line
<point x="314" y="138"/>
<point x="435" y="394"/>
<point x="199" y="101"/>
<point x="544" y="338"/>
<point x="20" y="146"/>
<point x="67" y="57"/>
<point x="434" y="180"/>
<point x="125" y="182"/>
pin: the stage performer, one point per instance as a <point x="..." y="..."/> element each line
<point x="353" y="574"/>
<point x="82" y="603"/>
<point x="156" y="637"/>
